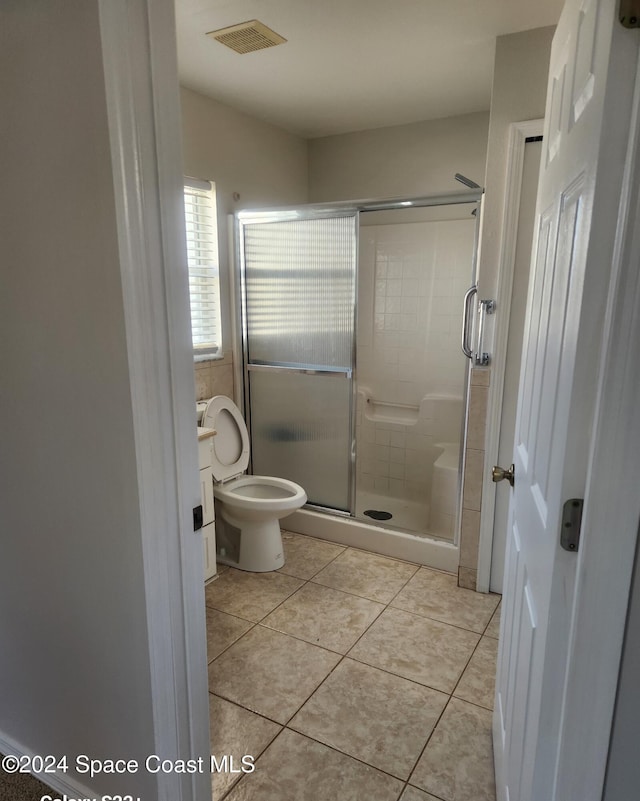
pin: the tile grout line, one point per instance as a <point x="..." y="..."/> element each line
<point x="262" y="751"/>
<point x="343" y="753"/>
<point x="246" y="709"/>
<point x="426" y="745"/>
<point x="436" y="620"/>
<point x="471" y="657"/>
<point x="226" y="648"/>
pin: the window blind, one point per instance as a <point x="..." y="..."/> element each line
<point x="202" y="255"/>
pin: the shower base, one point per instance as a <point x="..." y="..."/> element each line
<point x="409" y="515"/>
<point x="422" y="549"/>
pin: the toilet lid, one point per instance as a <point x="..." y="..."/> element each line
<point x="231" y="443"/>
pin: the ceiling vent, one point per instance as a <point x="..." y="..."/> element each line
<point x="247" y="37"/>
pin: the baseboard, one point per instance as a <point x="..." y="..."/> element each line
<point x="60" y="784"/>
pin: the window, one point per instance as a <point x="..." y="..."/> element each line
<point x="202" y="254"/>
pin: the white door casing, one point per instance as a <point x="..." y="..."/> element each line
<point x="582" y="173"/>
<point x="523" y="167"/>
<point x="141" y="81"/>
<point x="526" y="219"/>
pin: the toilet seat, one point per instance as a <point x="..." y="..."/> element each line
<point x="231" y="443"/>
<point x="261" y="494"/>
<point x="249" y="508"/>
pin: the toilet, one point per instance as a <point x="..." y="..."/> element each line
<point x="248" y="508"/>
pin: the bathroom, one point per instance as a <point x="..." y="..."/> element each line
<point x="335" y="581"/>
<point x="388" y="159"/>
<point x="287" y="690"/>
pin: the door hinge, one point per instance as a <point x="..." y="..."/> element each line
<point x="571" y="522"/>
<point x="198" y="517"/>
<point x="629" y="13"/>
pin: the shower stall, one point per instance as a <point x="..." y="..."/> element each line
<point x="354" y="381"/>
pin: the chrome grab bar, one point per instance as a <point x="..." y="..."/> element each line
<point x="482" y="359"/>
<point x="339" y="372"/>
<point x="394" y="405"/>
<point x="467" y="321"/>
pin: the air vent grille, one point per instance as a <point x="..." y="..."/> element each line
<point x="247" y="37"/>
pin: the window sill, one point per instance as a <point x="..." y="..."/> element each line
<point x="208" y="357"/>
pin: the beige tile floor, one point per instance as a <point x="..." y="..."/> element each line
<point x="353" y="676"/>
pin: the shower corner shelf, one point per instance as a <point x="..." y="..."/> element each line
<point x="385" y="412"/>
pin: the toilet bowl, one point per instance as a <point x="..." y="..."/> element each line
<point x="248" y="507"/>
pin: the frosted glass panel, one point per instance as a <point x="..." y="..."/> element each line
<point x="300" y="291"/>
<point x="301" y="430"/>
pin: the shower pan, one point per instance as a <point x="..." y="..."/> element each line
<point x="354" y="383"/>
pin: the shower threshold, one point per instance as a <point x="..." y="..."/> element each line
<point x="385" y="538"/>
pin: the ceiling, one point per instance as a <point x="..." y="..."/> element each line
<point x="351" y="65"/>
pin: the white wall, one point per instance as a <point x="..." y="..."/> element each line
<point x="74" y="670"/>
<point x="409" y="160"/>
<point x="519" y="93"/>
<point x="623" y="770"/>
<point x="265" y="165"/>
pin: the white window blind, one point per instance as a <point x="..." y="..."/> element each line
<point x="202" y="254"/>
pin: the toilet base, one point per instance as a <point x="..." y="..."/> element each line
<point x="259" y="548"/>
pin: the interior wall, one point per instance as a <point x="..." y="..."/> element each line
<point x="623" y="769"/>
<point x="522" y="60"/>
<point x="263" y="165"/>
<point x="417" y="159"/>
<point x="75" y="658"/>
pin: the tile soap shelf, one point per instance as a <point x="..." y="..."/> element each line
<point x="385" y="412"/>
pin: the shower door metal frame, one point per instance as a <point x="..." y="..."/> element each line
<point x="350" y="208"/>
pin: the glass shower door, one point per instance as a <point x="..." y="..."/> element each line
<point x="298" y="318"/>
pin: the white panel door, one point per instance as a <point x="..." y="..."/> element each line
<point x="580" y="182"/>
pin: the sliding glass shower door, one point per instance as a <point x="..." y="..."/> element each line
<point x="298" y="294"/>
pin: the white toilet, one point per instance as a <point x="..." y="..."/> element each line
<point x="248" y="507"/>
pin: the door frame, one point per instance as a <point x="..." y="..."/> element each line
<point x="144" y="119"/>
<point x="519" y="132"/>
<point x="143" y="114"/>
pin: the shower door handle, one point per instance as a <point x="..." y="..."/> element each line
<point x="467" y="321"/>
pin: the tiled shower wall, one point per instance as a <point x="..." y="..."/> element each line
<point x="473" y="476"/>
<point x="412" y="278"/>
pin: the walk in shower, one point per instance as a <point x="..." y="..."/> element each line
<point x="354" y="380"/>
